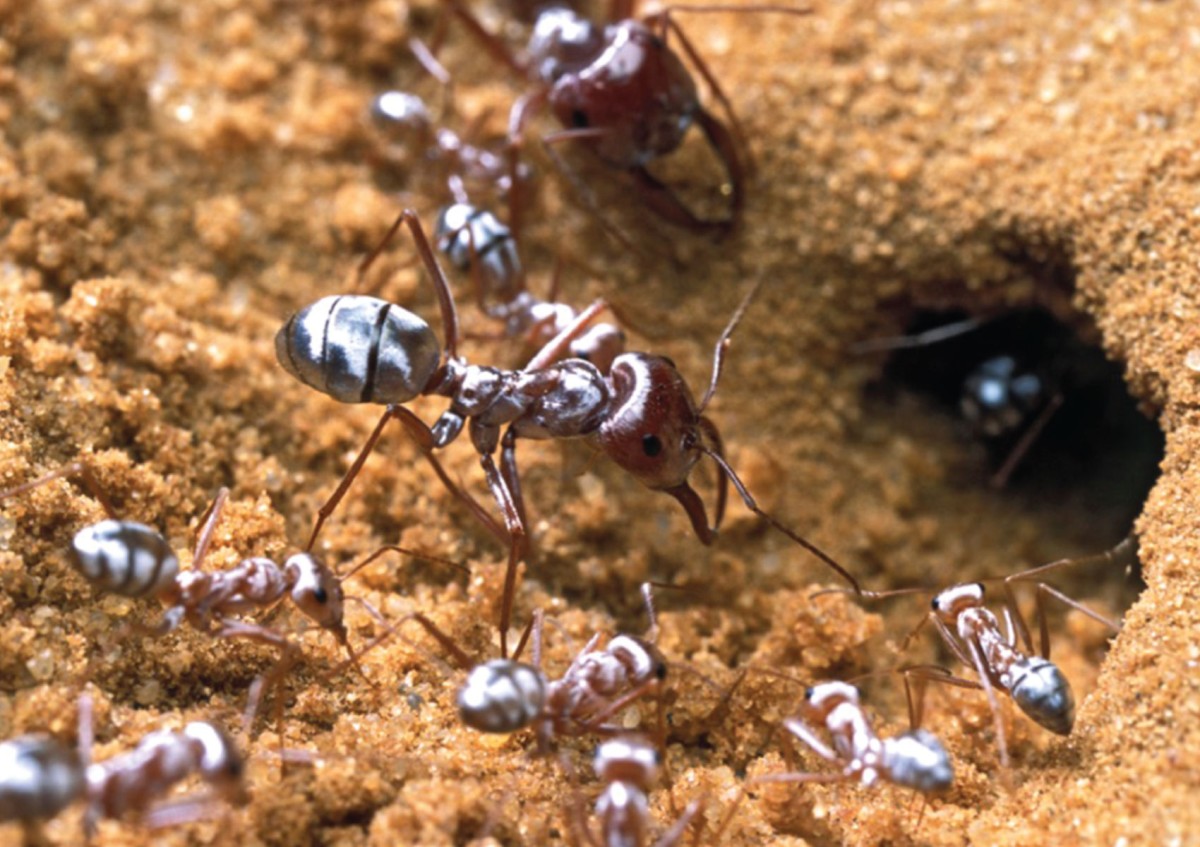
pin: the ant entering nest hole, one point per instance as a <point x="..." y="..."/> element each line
<point x="1042" y="409"/>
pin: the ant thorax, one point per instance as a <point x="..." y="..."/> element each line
<point x="565" y="400"/>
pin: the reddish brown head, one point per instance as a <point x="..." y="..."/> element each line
<point x="655" y="431"/>
<point x="636" y="94"/>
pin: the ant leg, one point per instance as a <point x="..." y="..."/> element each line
<point x="80" y="469"/>
<point x="522" y="110"/>
<point x="1124" y="552"/>
<point x="914" y="692"/>
<point x="516" y="534"/>
<point x="1000" y="478"/>
<point x="409" y="218"/>
<point x="508" y="472"/>
<point x="981" y="668"/>
<point x="672" y="836"/>
<point x="753" y="506"/>
<point x="273" y="678"/>
<point x="806" y="734"/>
<point x="204" y="539"/>
<point x="487" y="40"/>
<point x="590" y="204"/>
<point x="423" y="436"/>
<point x="662" y="200"/>
<point x="335" y="499"/>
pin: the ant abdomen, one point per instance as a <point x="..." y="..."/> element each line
<point x="359" y="349"/>
<point x="917" y="760"/>
<point x="1044" y="694"/>
<point x="468" y="235"/>
<point x="502" y="696"/>
<point x="125" y="557"/>
<point x="39" y="777"/>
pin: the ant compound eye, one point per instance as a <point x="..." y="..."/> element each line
<point x="933" y="604"/>
<point x="651" y="445"/>
<point x="808" y="693"/>
<point x="579" y="119"/>
<point x="321" y="595"/>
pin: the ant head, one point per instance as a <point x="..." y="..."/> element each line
<point x="643" y="660"/>
<point x="948" y="604"/>
<point x="317" y="592"/>
<point x="562" y="42"/>
<point x="654" y="432"/>
<point x="221" y="765"/>
<point x="636" y="95"/>
<point x="628" y="759"/>
<point x="824" y="697"/>
<point x="402" y="116"/>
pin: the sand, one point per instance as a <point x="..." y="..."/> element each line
<point x="177" y="178"/>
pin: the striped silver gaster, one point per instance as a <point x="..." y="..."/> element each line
<point x="124" y="557"/>
<point x="359" y="349"/>
<point x="502" y="696"/>
<point x="39" y="777"/>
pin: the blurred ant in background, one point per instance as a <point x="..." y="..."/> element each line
<point x="1041" y="400"/>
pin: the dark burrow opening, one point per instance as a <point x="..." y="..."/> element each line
<point x="1037" y="411"/>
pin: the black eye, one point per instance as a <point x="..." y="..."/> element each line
<point x="579" y="119"/>
<point x="321" y="595"/>
<point x="808" y="693"/>
<point x="651" y="445"/>
<point x="933" y="604"/>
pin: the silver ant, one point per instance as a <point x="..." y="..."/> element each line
<point x="40" y="777"/>
<point x="133" y="560"/>
<point x="506" y="695"/>
<point x="404" y="122"/>
<point x="628" y="766"/>
<point x="360" y="349"/>
<point x="1007" y="663"/>
<point x="914" y="759"/>
<point x="476" y="242"/>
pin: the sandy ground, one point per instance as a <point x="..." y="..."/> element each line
<point x="176" y="178"/>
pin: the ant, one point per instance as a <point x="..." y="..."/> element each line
<point x="404" y="123"/>
<point x="1020" y="379"/>
<point x="476" y="242"/>
<point x="628" y="766"/>
<point x="133" y="560"/>
<point x="39" y="776"/>
<point x="622" y="91"/>
<point x="506" y="695"/>
<point x="915" y="759"/>
<point x="1006" y="663"/>
<point x="641" y="414"/>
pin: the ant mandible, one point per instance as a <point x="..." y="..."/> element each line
<point x="622" y="91"/>
<point x="642" y="415"/>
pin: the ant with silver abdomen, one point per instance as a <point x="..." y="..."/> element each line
<point x="642" y="414"/>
